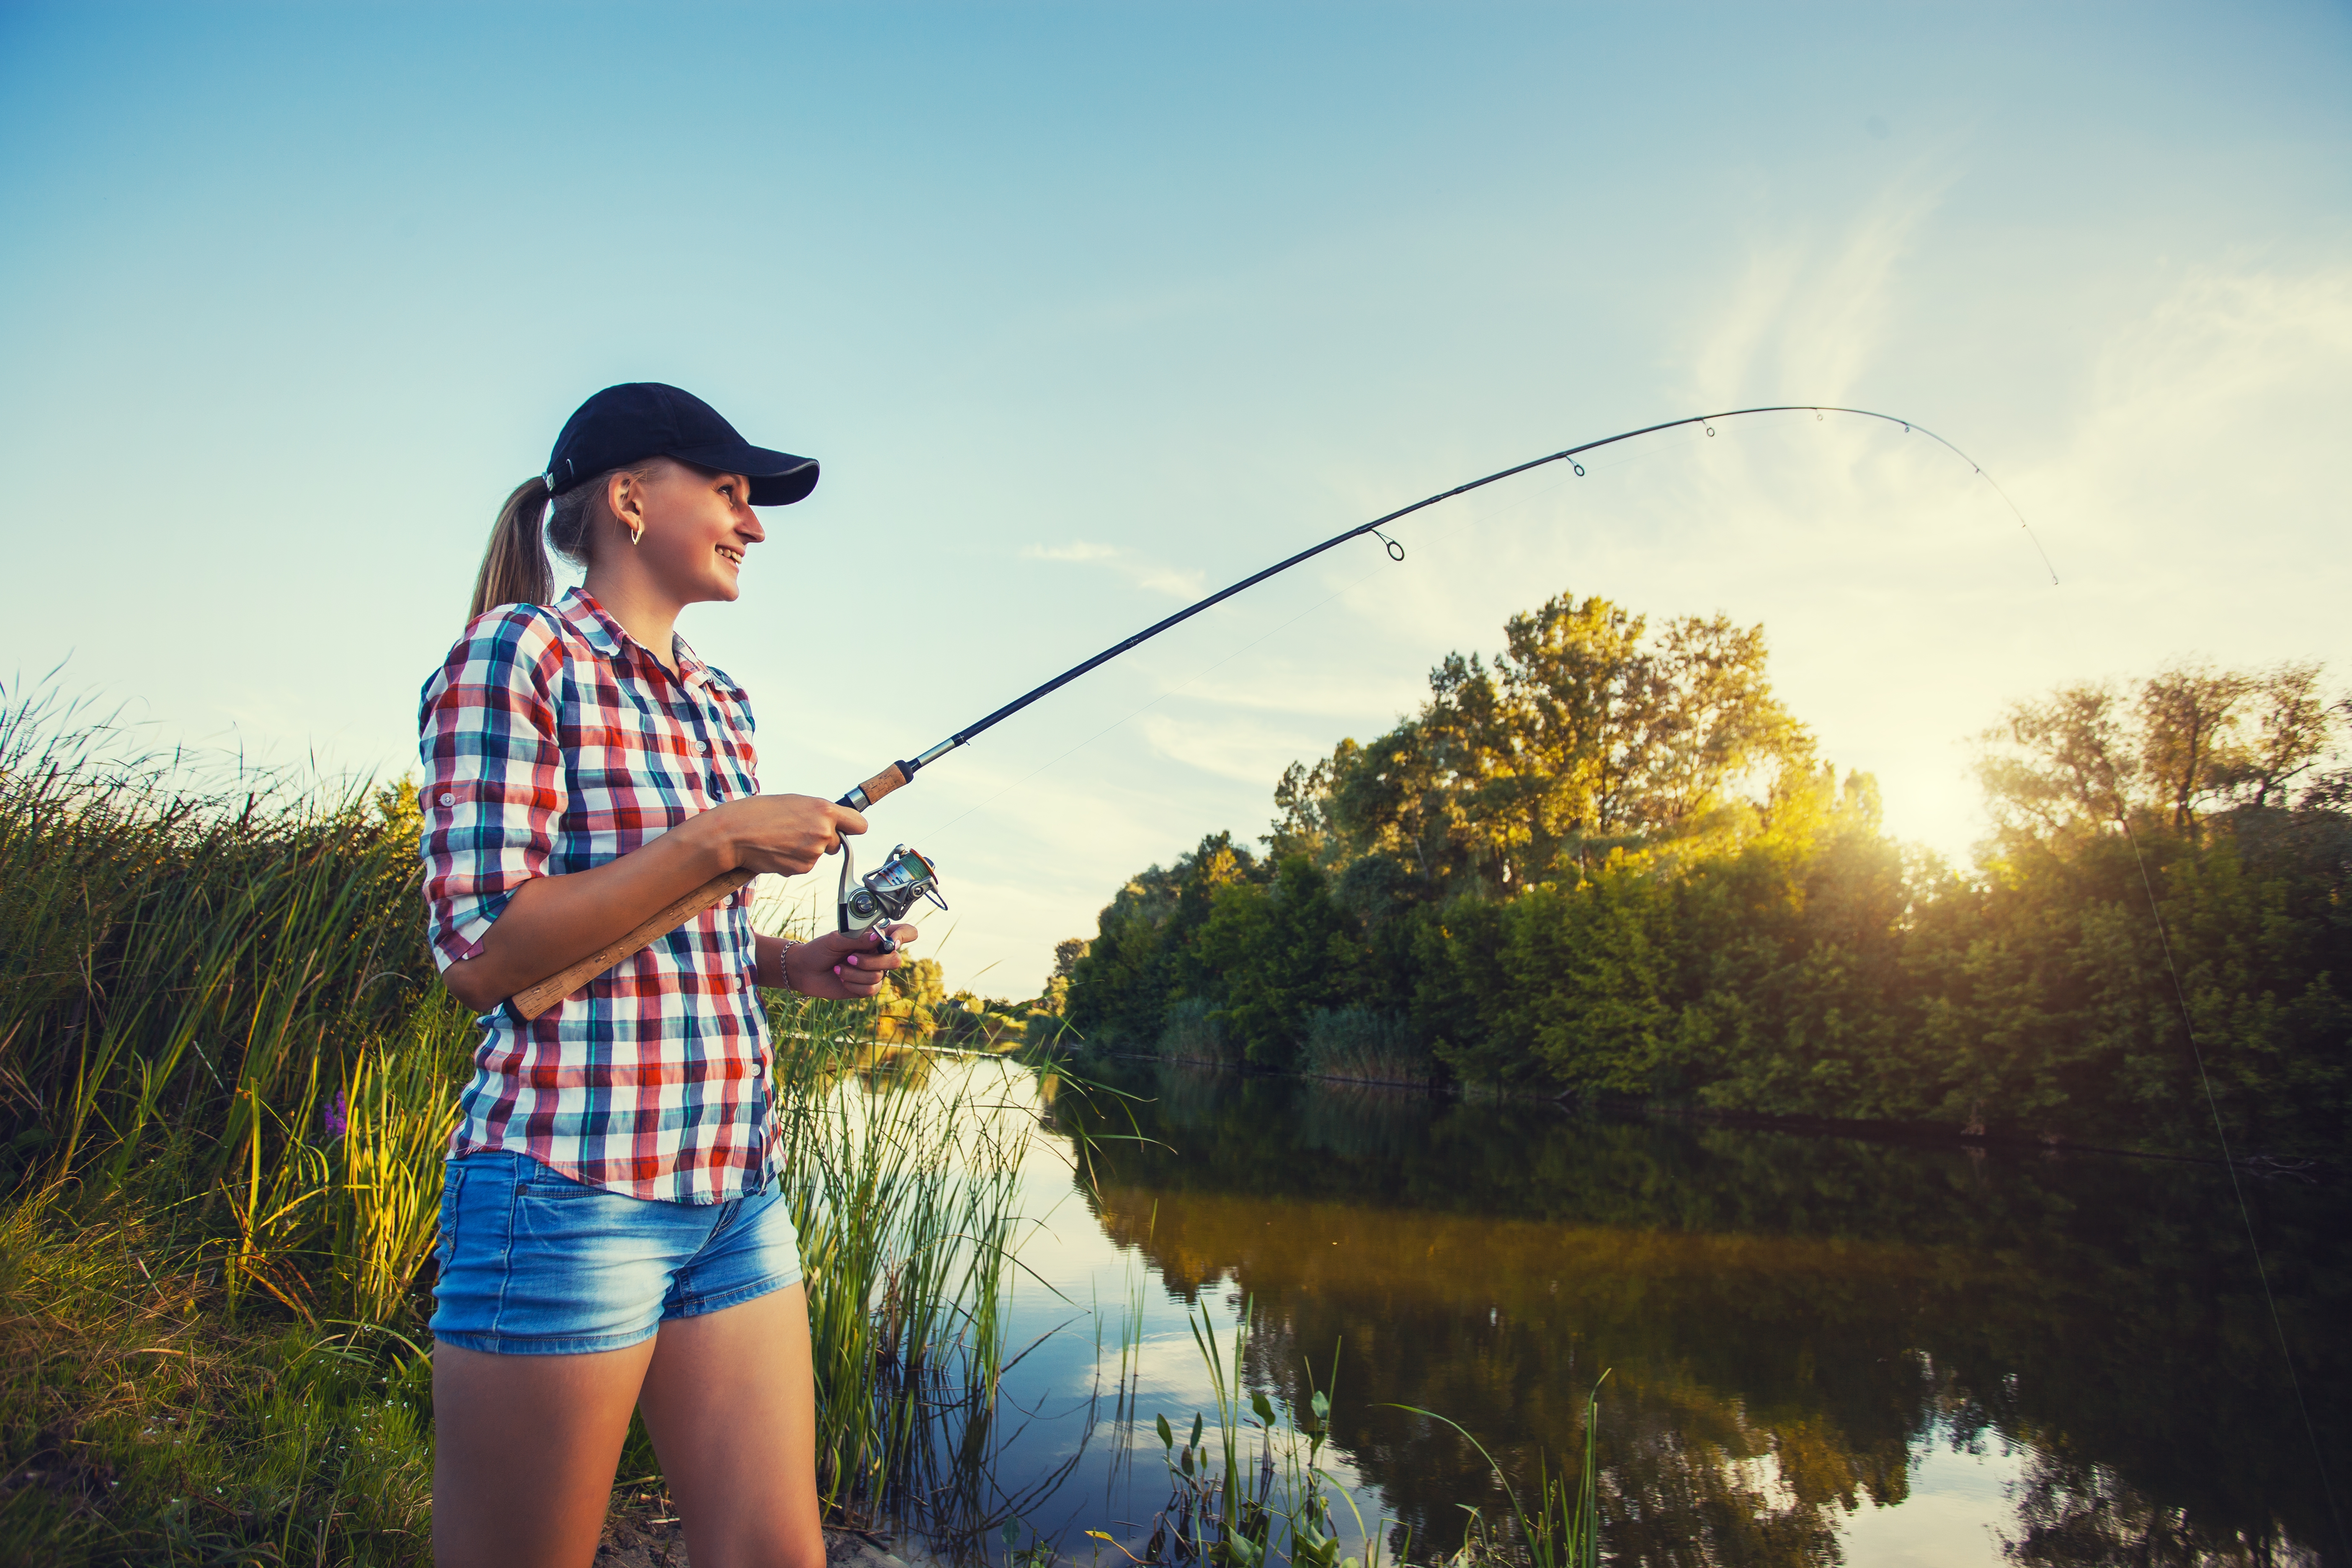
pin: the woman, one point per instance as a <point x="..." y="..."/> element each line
<point x="612" y="1231"/>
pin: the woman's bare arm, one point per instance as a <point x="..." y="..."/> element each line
<point x="554" y="922"/>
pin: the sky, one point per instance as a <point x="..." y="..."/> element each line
<point x="1089" y="308"/>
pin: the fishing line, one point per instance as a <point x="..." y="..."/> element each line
<point x="2237" y="1189"/>
<point x="898" y="774"/>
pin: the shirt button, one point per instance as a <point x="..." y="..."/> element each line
<point x="705" y="748"/>
<point x="448" y="800"/>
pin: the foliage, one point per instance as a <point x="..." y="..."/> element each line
<point x="1143" y="961"/>
<point x="1586" y="735"/>
<point x="1190" y="1032"/>
<point x="1608" y="864"/>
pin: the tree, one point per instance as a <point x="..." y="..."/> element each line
<point x="1055" y="997"/>
<point x="1587" y="733"/>
<point x="2192" y="739"/>
<point x="1140" y="959"/>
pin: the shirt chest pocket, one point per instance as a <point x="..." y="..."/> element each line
<point x="690" y="754"/>
<point x="730" y="770"/>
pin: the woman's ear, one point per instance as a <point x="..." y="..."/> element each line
<point x="625" y="496"/>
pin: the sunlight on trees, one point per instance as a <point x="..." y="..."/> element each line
<point x="1609" y="862"/>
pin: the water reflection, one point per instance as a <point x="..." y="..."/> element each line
<point x="1791" y="1322"/>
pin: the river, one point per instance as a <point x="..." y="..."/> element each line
<point x="1817" y="1349"/>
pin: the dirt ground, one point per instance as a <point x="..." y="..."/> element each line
<point x="655" y="1541"/>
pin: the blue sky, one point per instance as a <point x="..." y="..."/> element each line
<point x="1088" y="308"/>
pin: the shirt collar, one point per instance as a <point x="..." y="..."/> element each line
<point x="602" y="632"/>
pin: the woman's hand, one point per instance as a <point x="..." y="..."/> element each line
<point x="842" y="966"/>
<point x="783" y="834"/>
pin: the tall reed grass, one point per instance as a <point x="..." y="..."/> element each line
<point x="905" y="1195"/>
<point x="222" y="1044"/>
<point x="1239" y="1499"/>
<point x="1190" y="1033"/>
<point x="1365" y="1045"/>
<point x="202" y="982"/>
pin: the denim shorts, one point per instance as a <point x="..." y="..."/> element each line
<point x="535" y="1263"/>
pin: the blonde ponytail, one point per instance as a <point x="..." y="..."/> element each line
<point x="514" y="567"/>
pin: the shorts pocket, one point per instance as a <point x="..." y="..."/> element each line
<point x="547" y="1184"/>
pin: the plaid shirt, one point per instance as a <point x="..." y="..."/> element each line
<point x="553" y="742"/>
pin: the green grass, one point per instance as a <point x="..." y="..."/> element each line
<point x="145" y="1421"/>
<point x="227" y="1075"/>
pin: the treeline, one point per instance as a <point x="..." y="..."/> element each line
<point x="1611" y="863"/>
<point x="916" y="1007"/>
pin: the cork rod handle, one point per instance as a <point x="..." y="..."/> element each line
<point x="888" y="780"/>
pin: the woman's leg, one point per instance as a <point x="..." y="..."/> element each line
<point x="732" y="1405"/>
<point x="525" y="1447"/>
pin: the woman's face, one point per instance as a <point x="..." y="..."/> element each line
<point x="698" y="528"/>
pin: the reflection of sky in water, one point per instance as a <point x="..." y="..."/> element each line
<point x="1784" y="1354"/>
<point x="1949" y="1520"/>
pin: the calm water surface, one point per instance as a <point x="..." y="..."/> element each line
<point x="1818" y="1349"/>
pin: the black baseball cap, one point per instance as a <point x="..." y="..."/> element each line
<point x="640" y="419"/>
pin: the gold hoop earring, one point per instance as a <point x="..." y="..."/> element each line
<point x="636" y="531"/>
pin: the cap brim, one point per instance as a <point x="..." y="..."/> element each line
<point x="778" y="479"/>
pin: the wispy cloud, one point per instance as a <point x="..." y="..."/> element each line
<point x="1806" y="316"/>
<point x="2200" y="421"/>
<point x="1229" y="748"/>
<point x="1147" y="574"/>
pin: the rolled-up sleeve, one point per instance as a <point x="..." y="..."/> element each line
<point x="494" y="777"/>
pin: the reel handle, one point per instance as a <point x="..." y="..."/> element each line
<point x="530" y="1002"/>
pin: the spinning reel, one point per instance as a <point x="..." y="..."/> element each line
<point x="869" y="901"/>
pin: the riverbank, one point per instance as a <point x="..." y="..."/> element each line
<point x="646" y="1539"/>
<point x="229" y="1079"/>
<point x="169" y="1393"/>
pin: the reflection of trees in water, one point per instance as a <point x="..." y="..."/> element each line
<point x="1688" y="1481"/>
<point x="2070" y="1513"/>
<point x="1462" y="1317"/>
<point x="1789" y="1318"/>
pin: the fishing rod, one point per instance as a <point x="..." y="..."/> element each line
<point x="890" y="892"/>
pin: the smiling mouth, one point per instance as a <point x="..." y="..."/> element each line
<point x="732" y="556"/>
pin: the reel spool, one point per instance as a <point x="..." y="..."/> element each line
<point x="885" y="895"/>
